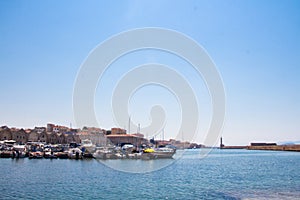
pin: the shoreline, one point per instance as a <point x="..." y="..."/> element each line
<point x="295" y="147"/>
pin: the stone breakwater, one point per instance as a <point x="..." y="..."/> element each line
<point x="276" y="148"/>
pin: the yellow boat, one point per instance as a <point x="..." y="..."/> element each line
<point x="149" y="150"/>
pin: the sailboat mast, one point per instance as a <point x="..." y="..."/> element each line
<point x="129" y="125"/>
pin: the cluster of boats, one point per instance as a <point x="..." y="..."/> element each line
<point x="35" y="150"/>
<point x="128" y="153"/>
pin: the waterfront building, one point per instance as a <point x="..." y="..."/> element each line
<point x="43" y="137"/>
<point x="40" y="129"/>
<point x="50" y="127"/>
<point x="61" y="139"/>
<point x="19" y="135"/>
<point x="71" y="138"/>
<point x="119" y="139"/>
<point x="52" y="138"/>
<point x="57" y="128"/>
<point x="33" y="136"/>
<point x="96" y="135"/>
<point x="117" y="131"/>
<point x="5" y="134"/>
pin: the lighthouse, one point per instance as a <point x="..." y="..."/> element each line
<point x="221" y="143"/>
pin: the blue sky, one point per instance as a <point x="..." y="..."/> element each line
<point x="254" y="44"/>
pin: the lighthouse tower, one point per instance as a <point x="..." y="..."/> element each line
<point x="221" y="143"/>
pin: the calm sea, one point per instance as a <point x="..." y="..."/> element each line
<point x="223" y="174"/>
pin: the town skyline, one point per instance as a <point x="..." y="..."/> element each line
<point x="59" y="134"/>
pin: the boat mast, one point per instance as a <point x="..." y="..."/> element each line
<point x="129" y="125"/>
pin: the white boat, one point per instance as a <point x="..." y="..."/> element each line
<point x="157" y="153"/>
<point x="48" y="153"/>
<point x="88" y="146"/>
<point x="106" y="153"/>
<point x="134" y="155"/>
<point x="19" y="151"/>
<point x="75" y="153"/>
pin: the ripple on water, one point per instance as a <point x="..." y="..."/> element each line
<point x="228" y="174"/>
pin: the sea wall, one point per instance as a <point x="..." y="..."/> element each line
<point x="276" y="148"/>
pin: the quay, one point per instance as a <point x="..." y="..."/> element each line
<point x="263" y="146"/>
<point x="276" y="147"/>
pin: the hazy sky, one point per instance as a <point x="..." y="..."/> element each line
<point x="254" y="44"/>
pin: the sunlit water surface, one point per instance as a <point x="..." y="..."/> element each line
<point x="223" y="174"/>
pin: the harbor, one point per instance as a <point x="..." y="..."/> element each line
<point x="86" y="150"/>
<point x="56" y="141"/>
<point x="60" y="142"/>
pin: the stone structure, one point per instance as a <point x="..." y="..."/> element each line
<point x="38" y="134"/>
<point x="120" y="139"/>
<point x="5" y="134"/>
<point x="20" y="136"/>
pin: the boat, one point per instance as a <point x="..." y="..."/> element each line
<point x="62" y="155"/>
<point x="158" y="153"/>
<point x="106" y="153"/>
<point x="134" y="155"/>
<point x="6" y="154"/>
<point x="88" y="148"/>
<point x="48" y="153"/>
<point x="75" y="153"/>
<point x="19" y="151"/>
<point x="36" y="155"/>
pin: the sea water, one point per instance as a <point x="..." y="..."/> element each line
<point x="222" y="174"/>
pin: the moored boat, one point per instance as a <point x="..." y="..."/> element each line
<point x="75" y="153"/>
<point x="19" y="151"/>
<point x="87" y="146"/>
<point x="105" y="153"/>
<point x="6" y="154"/>
<point x="62" y="155"/>
<point x="157" y="153"/>
<point x="36" y="155"/>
